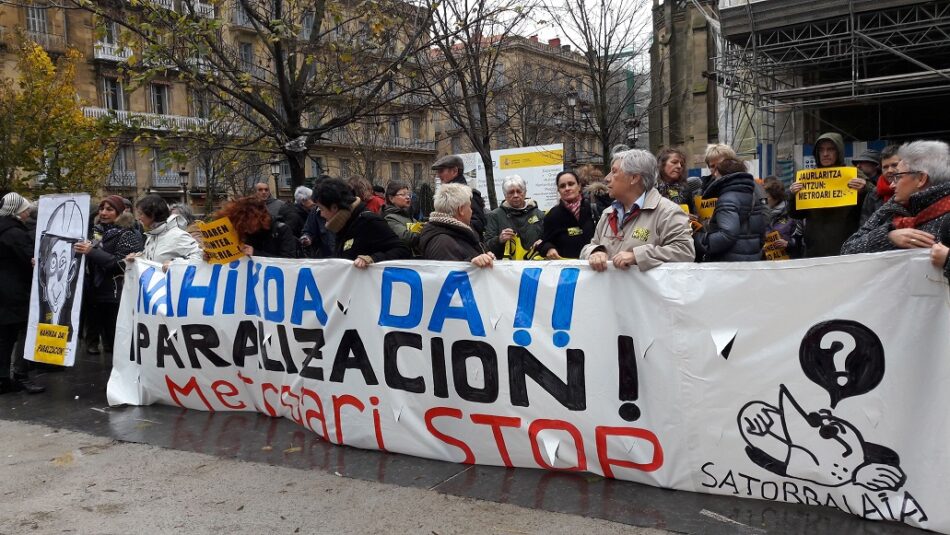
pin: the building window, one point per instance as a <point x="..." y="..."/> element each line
<point x="416" y="128"/>
<point x="163" y="172"/>
<point x="159" y="98"/>
<point x="370" y="171"/>
<point x="306" y="24"/>
<point x="394" y="127"/>
<point x="110" y="35"/>
<point x="416" y="172"/>
<point x="201" y="102"/>
<point x="246" y="52"/>
<point x="36" y="19"/>
<point x="345" y="166"/>
<point x="395" y="170"/>
<point x="113" y="97"/>
<point x="456" y="145"/>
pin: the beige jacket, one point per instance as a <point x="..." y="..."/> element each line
<point x="661" y="233"/>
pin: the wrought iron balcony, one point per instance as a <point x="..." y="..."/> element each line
<point x="166" y="180"/>
<point x="122" y="178"/>
<point x="49" y="41"/>
<point x="147" y="121"/>
<point x="111" y="52"/>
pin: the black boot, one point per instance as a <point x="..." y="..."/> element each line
<point x="9" y="385"/>
<point x="24" y="383"/>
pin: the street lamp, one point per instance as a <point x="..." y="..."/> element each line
<point x="275" y="172"/>
<point x="572" y="128"/>
<point x="633" y="132"/>
<point x="183" y="179"/>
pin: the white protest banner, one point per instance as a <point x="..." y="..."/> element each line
<point x="56" y="295"/>
<point x="538" y="166"/>
<point x="699" y="377"/>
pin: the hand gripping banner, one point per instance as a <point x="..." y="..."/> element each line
<point x="807" y="381"/>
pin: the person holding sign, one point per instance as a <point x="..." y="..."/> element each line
<point x="918" y="215"/>
<point x="641" y="227"/>
<point x="783" y="235"/>
<point x="449" y="234"/>
<point x="736" y="229"/>
<point x="569" y="225"/>
<point x="514" y="229"/>
<point x="827" y="228"/>
<point x="16" y="270"/>
<point x="259" y="232"/>
<point x="361" y="235"/>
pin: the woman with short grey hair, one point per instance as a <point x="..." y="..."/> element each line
<point x="449" y="235"/>
<point x="641" y="227"/>
<point x="514" y="229"/>
<point x="918" y="214"/>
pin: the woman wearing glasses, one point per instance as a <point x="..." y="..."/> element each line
<point x="397" y="216"/>
<point x="918" y="214"/>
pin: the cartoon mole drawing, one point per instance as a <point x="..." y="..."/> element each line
<point x="815" y="446"/>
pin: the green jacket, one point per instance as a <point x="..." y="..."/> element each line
<point x="527" y="222"/>
<point x="399" y="220"/>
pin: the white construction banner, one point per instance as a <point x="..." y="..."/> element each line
<point x="56" y="296"/>
<point x="538" y="166"/>
<point x="819" y="382"/>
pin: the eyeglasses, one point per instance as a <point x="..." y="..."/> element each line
<point x="403" y="194"/>
<point x="895" y="177"/>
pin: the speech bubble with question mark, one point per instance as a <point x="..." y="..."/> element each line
<point x="844" y="357"/>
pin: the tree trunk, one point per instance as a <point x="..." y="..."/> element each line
<point x="298" y="168"/>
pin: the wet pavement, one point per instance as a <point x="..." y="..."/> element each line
<point x="76" y="400"/>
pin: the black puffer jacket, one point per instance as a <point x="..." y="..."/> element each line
<point x="16" y="250"/>
<point x="105" y="263"/>
<point x="447" y="238"/>
<point x="368" y="234"/>
<point x="872" y="237"/>
<point x="737" y="228"/>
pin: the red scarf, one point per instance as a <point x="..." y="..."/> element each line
<point x="930" y="213"/>
<point x="629" y="216"/>
<point x="884" y="189"/>
<point x="574" y="207"/>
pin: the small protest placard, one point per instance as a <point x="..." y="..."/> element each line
<point x="704" y="207"/>
<point x="221" y="243"/>
<point x="51" y="343"/>
<point x="826" y="188"/>
<point x="772" y="250"/>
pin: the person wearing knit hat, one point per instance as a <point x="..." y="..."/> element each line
<point x="16" y="272"/>
<point x="13" y="204"/>
<point x="113" y="239"/>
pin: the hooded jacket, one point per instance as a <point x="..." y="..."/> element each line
<point x="826" y="229"/>
<point x="16" y="250"/>
<point x="112" y="242"/>
<point x="167" y="241"/>
<point x="736" y="229"/>
<point x="527" y="222"/>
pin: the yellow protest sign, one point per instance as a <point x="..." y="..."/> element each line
<point x="685" y="208"/>
<point x="772" y="250"/>
<point x="51" y="341"/>
<point x="514" y="250"/>
<point x="220" y="241"/>
<point x="704" y="207"/>
<point x="415" y="227"/>
<point x="826" y="188"/>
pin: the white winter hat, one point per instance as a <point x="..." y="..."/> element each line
<point x="13" y="204"/>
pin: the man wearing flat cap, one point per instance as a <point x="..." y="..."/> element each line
<point x="449" y="169"/>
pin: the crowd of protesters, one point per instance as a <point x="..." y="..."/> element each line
<point x="644" y="213"/>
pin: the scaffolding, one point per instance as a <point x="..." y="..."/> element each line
<point x="772" y="66"/>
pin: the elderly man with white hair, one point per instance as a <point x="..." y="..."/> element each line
<point x="641" y="227"/>
<point x="918" y="214"/>
<point x="514" y="229"/>
<point x="449" y="234"/>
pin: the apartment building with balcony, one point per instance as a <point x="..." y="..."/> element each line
<point x="538" y="98"/>
<point x="164" y="105"/>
